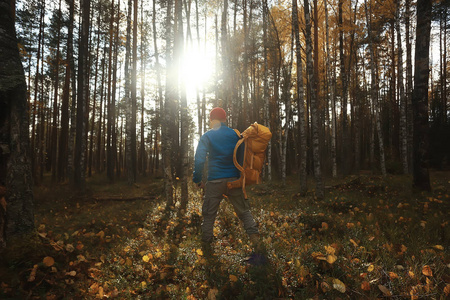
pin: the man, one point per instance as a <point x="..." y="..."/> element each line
<point x="218" y="145"/>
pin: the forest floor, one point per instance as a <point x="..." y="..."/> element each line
<point x="370" y="237"/>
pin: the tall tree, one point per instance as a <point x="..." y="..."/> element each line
<point x="331" y="88"/>
<point x="300" y="100"/>
<point x="83" y="94"/>
<point x="421" y="176"/>
<point x="374" y="89"/>
<point x="69" y="64"/>
<point x="403" y="128"/>
<point x="15" y="163"/>
<point x="314" y="103"/>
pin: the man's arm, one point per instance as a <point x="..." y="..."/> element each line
<point x="200" y="158"/>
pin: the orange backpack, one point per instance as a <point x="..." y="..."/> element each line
<point x="256" y="138"/>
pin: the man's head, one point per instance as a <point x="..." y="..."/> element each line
<point x="219" y="114"/>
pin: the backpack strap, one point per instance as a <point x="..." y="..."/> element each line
<point x="236" y="163"/>
<point x="238" y="133"/>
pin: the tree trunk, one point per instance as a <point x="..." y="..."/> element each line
<point x="64" y="136"/>
<point x="15" y="164"/>
<point x="345" y="136"/>
<point x="333" y="104"/>
<point x="178" y="54"/>
<point x="83" y="92"/>
<point x="54" y="139"/>
<point x="314" y="104"/>
<point x="266" y="90"/>
<point x="142" y="160"/>
<point x="374" y="92"/>
<point x="403" y="129"/>
<point x="421" y="176"/>
<point x="168" y="122"/>
<point x="409" y="84"/>
<point x="300" y="100"/>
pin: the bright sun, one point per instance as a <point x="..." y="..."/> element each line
<point x="197" y="70"/>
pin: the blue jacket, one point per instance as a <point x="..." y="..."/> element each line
<point x="218" y="145"/>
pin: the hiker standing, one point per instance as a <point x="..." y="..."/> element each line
<point x="218" y="145"/>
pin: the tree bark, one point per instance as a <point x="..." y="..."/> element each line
<point x="421" y="176"/>
<point x="83" y="92"/>
<point x="15" y="163"/>
<point x="403" y="129"/>
<point x="300" y="100"/>
<point x="332" y="95"/>
<point x="314" y="104"/>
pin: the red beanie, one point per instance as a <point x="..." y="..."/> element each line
<point x="217" y="113"/>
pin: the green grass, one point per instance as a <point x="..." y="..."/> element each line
<point x="374" y="231"/>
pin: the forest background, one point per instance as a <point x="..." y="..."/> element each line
<point x="121" y="90"/>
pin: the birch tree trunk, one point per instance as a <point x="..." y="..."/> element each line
<point x="421" y="176"/>
<point x="314" y="104"/>
<point x="332" y="96"/>
<point x="403" y="129"/>
<point x="374" y="92"/>
<point x="15" y="164"/>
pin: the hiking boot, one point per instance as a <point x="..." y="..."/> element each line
<point x="257" y="243"/>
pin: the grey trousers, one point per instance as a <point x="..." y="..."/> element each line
<point x="215" y="191"/>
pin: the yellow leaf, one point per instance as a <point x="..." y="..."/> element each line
<point x="330" y="249"/>
<point x="338" y="285"/>
<point x="370" y="268"/>
<point x="393" y="275"/>
<point x="411" y="274"/>
<point x="71" y="273"/>
<point x="331" y="258"/>
<point x="354" y="243"/>
<point x="143" y="284"/>
<point x="438" y="247"/>
<point x="426" y="270"/>
<point x="145" y="258"/>
<point x="48" y="261"/>
<point x="199" y="252"/>
<point x="233" y="278"/>
<point x="384" y="290"/>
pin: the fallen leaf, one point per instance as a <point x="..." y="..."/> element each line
<point x="325" y="287"/>
<point x="354" y="243"/>
<point x="338" y="285"/>
<point x="199" y="252"/>
<point x="331" y="258"/>
<point x="393" y="275"/>
<point x="71" y="273"/>
<point x="438" y="247"/>
<point x="32" y="274"/>
<point x="48" y="261"/>
<point x="384" y="290"/>
<point x="145" y="258"/>
<point x="233" y="278"/>
<point x="447" y="290"/>
<point x="212" y="294"/>
<point x="370" y="268"/>
<point x="70" y="248"/>
<point x="426" y="270"/>
<point x="365" y="286"/>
